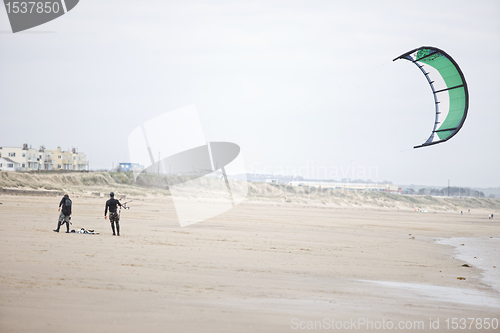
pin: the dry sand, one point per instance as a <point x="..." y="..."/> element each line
<point x="260" y="267"/>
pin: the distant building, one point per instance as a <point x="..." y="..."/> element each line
<point x="30" y="159"/>
<point x="69" y="160"/>
<point x="27" y="157"/>
<point x="125" y="167"/>
<point x="45" y="159"/>
<point x="6" y="164"/>
<point x="348" y="186"/>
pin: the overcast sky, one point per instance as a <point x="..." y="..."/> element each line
<point x="304" y="87"/>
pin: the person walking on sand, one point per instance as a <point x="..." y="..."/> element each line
<point x="65" y="214"/>
<point x="112" y="204"/>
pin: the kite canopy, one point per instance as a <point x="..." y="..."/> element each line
<point x="449" y="88"/>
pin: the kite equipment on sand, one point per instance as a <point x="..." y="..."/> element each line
<point x="84" y="231"/>
<point x="447" y="82"/>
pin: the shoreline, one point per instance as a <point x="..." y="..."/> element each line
<point x="479" y="252"/>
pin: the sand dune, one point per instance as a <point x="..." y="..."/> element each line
<point x="101" y="183"/>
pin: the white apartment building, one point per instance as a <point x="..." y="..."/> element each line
<point x="30" y="159"/>
<point x="6" y="164"/>
<point x="25" y="157"/>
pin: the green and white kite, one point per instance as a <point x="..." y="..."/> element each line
<point x="449" y="88"/>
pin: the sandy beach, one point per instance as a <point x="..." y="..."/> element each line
<point x="263" y="266"/>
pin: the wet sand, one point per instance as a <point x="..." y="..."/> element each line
<point x="257" y="268"/>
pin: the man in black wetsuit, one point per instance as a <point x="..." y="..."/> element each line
<point x="112" y="204"/>
<point x="65" y="215"/>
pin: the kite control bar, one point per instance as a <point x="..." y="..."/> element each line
<point x="124" y="205"/>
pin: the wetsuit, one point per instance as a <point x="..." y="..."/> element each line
<point x="112" y="204"/>
<point x="64" y="216"/>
